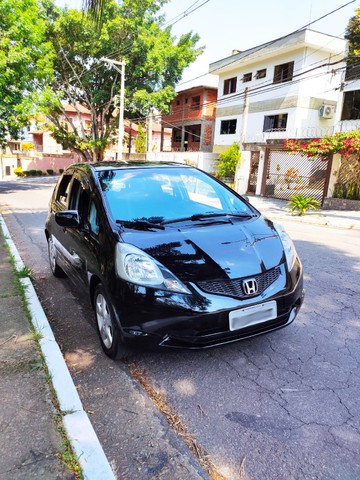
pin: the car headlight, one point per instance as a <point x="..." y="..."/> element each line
<point x="289" y="247"/>
<point x="136" y="266"/>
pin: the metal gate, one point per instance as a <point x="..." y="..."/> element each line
<point x="287" y="174"/>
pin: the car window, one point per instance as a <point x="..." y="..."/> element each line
<point x="63" y="189"/>
<point x="79" y="200"/>
<point x="163" y="194"/>
<point x="93" y="218"/>
<point x="201" y="192"/>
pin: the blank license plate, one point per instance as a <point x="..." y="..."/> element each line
<point x="245" y="317"/>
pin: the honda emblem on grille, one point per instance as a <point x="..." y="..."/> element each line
<point x="250" y="286"/>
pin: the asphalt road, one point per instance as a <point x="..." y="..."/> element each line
<point x="278" y="407"/>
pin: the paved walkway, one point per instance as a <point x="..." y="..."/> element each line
<point x="28" y="433"/>
<point x="278" y="209"/>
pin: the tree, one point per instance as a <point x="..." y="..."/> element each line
<point x="228" y="161"/>
<point x="130" y="32"/>
<point x="25" y="62"/>
<point x="95" y="8"/>
<point x="352" y="35"/>
<point x="140" y="141"/>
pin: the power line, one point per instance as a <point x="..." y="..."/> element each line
<point x="184" y="14"/>
<point x="261" y="47"/>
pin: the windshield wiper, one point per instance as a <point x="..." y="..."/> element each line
<point x="140" y="224"/>
<point x="204" y="216"/>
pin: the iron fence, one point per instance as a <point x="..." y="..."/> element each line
<point x="289" y="174"/>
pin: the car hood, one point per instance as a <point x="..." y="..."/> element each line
<point x="202" y="251"/>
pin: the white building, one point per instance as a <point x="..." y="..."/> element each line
<point x="286" y="88"/>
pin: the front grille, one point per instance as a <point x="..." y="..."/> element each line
<point x="234" y="288"/>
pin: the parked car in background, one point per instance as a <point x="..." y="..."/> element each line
<point x="169" y="256"/>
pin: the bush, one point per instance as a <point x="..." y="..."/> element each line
<point x="18" y="171"/>
<point x="61" y="170"/>
<point x="302" y="204"/>
<point x="50" y="171"/>
<point x="26" y="173"/>
<point x="39" y="172"/>
<point x="32" y="172"/>
<point x="227" y="161"/>
<point x="350" y="190"/>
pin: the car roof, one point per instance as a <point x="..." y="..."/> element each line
<point x="101" y="166"/>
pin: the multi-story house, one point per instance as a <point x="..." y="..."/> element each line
<point x="192" y="118"/>
<point x="286" y="88"/>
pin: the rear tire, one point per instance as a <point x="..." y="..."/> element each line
<point x="108" y="329"/>
<point x="56" y="270"/>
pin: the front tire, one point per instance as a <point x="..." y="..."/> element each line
<point x="56" y="270"/>
<point x="105" y="320"/>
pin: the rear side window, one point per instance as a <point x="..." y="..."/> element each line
<point x="63" y="189"/>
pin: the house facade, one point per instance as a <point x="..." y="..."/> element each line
<point x="192" y="118"/>
<point x="287" y="88"/>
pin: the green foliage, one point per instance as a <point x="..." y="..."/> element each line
<point x="140" y="141"/>
<point x="346" y="143"/>
<point x="227" y="161"/>
<point x="302" y="204"/>
<point x="352" y="35"/>
<point x="25" y="62"/>
<point x="349" y="190"/>
<point x="50" y="171"/>
<point x="27" y="146"/>
<point x="18" y="171"/>
<point x="154" y="58"/>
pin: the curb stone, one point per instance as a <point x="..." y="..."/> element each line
<point x="80" y="432"/>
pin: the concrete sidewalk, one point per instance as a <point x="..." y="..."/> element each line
<point x="29" y="433"/>
<point x="278" y="210"/>
<point x="29" y="437"/>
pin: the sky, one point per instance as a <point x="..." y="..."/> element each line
<point x="224" y="25"/>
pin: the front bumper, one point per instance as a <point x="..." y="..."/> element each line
<point x="202" y="320"/>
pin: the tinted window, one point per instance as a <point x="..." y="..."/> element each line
<point x="63" y="189"/>
<point x="165" y="194"/>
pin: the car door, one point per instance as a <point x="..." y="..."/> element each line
<point x="83" y="243"/>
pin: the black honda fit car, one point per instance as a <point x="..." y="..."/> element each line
<point x="170" y="256"/>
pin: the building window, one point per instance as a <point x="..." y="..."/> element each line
<point x="351" y="108"/>
<point x="247" y="77"/>
<point x="261" y="73"/>
<point x="228" y="127"/>
<point x="195" y="137"/>
<point x="275" y="123"/>
<point x="195" y="102"/>
<point x="177" y="102"/>
<point x="230" y="85"/>
<point x="177" y="135"/>
<point x="284" y="72"/>
<point x="186" y="100"/>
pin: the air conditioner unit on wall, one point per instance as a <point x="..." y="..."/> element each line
<point x="327" y="111"/>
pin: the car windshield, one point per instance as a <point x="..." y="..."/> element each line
<point x="157" y="195"/>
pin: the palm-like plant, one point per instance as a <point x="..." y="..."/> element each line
<point x="301" y="204"/>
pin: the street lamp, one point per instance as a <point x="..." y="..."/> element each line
<point x="114" y="63"/>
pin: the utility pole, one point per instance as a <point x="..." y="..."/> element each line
<point x="114" y="64"/>
<point x="245" y="117"/>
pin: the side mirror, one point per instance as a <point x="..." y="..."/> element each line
<point x="68" y="218"/>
